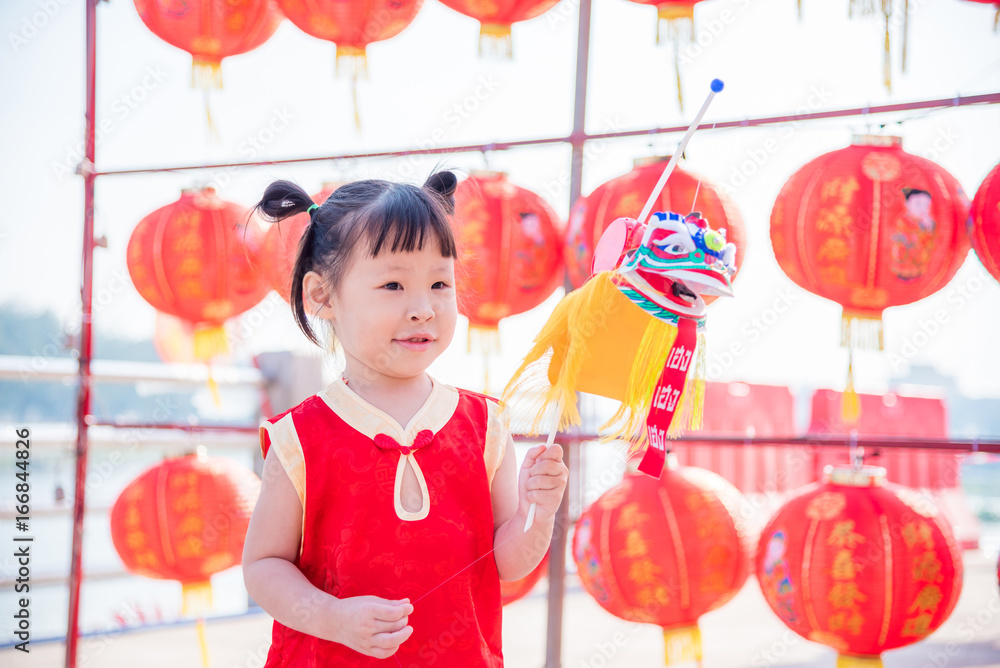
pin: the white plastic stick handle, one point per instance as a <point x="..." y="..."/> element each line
<point x="716" y="87"/>
<point x="548" y="443"/>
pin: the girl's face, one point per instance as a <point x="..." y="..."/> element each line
<point x="395" y="313"/>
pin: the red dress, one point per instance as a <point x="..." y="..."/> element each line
<point x="346" y="459"/>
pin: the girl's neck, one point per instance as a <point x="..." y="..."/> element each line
<point x="400" y="398"/>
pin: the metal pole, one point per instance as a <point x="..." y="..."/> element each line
<point x="942" y="103"/>
<point x="86" y="293"/>
<point x="557" y="549"/>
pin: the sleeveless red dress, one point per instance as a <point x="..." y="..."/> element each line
<point x="346" y="459"/>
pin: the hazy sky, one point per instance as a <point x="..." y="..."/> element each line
<point x="428" y="85"/>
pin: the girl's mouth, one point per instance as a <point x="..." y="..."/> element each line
<point x="416" y="342"/>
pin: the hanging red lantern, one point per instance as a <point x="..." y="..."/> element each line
<point x="510" y="242"/>
<point x="496" y="18"/>
<point x="518" y="589"/>
<point x="624" y="196"/>
<point x="984" y="222"/>
<point x="280" y="246"/>
<point x="870" y="226"/>
<point x="679" y="17"/>
<point x="185" y="519"/>
<point x="352" y="26"/>
<point x="210" y="30"/>
<point x="859" y="564"/>
<point x="189" y="259"/>
<point x="664" y="551"/>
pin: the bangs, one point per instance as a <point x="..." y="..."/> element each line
<point x="403" y="219"/>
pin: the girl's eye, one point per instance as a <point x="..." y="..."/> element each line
<point x="393" y="286"/>
<point x="440" y="285"/>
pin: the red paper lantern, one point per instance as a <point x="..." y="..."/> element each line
<point x="860" y="565"/>
<point x="352" y="26"/>
<point x="518" y="589"/>
<point x="985" y="222"/>
<point x="625" y="196"/>
<point x="510" y="242"/>
<point x="190" y="259"/>
<point x="280" y="246"/>
<point x="497" y="16"/>
<point x="185" y="519"/>
<point x="664" y="551"/>
<point x="210" y="30"/>
<point x="870" y="226"/>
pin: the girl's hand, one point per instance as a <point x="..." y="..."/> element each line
<point x="371" y="625"/>
<point x="542" y="480"/>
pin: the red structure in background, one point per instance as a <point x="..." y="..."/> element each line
<point x="890" y="415"/>
<point x="937" y="472"/>
<point x="750" y="411"/>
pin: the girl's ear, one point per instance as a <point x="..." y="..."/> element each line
<point x="316" y="296"/>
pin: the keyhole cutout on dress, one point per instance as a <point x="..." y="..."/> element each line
<point x="411" y="497"/>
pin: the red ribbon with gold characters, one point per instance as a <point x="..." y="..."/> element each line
<point x="667" y="396"/>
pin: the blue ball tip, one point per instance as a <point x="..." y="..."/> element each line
<point x="717" y="85"/>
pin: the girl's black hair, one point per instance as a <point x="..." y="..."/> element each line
<point x="390" y="216"/>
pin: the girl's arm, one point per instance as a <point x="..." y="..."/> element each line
<point x="542" y="480"/>
<point x="367" y="624"/>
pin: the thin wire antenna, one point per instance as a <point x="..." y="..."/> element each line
<point x="716" y="87"/>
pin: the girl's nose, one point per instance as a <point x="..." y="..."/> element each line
<point x="420" y="310"/>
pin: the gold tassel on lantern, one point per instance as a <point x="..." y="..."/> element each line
<point x="197" y="601"/>
<point x="209" y="342"/>
<point x="680" y="28"/>
<point x="496" y="37"/>
<point x="207" y="75"/>
<point x="861" y="331"/>
<point x="850" y="407"/>
<point x="846" y="661"/>
<point x="883" y="7"/>
<point x="358" y="61"/>
<point x="486" y="341"/>
<point x="682" y="646"/>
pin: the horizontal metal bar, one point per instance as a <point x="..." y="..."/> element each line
<point x="218" y="428"/>
<point x="957" y="101"/>
<point x="812" y="440"/>
<point x="40" y="368"/>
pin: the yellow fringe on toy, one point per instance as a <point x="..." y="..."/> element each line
<point x="549" y="373"/>
<point x="569" y="355"/>
<point x="629" y="422"/>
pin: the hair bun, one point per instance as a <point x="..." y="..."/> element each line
<point x="444" y="184"/>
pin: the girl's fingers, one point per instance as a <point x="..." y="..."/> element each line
<point x="390" y="627"/>
<point x="391" y="640"/>
<point x="393" y="613"/>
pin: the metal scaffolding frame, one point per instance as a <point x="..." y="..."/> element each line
<point x="576" y="140"/>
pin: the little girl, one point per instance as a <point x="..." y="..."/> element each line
<point x="391" y="504"/>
